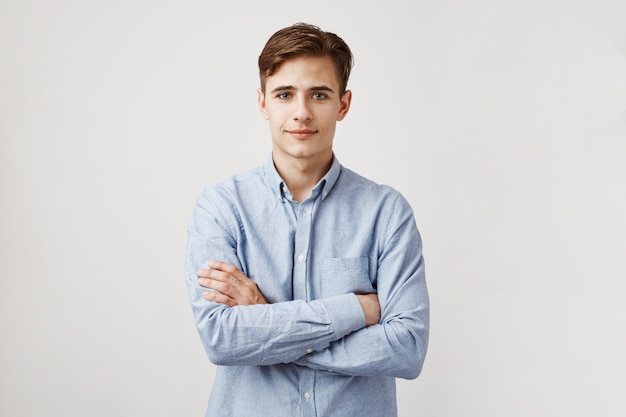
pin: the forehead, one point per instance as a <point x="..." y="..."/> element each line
<point x="303" y="72"/>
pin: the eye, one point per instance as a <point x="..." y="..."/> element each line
<point x="319" y="96"/>
<point x="284" y="96"/>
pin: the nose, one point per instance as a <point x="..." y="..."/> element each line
<point x="302" y="111"/>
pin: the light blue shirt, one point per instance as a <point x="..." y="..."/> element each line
<point x="308" y="352"/>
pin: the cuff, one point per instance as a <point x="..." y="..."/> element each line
<point x="346" y="314"/>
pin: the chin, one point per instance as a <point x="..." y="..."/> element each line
<point x="299" y="152"/>
<point x="302" y="151"/>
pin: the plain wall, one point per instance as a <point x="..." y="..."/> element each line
<point x="503" y="123"/>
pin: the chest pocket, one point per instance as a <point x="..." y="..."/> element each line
<point x="345" y="275"/>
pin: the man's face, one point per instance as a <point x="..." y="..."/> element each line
<point x="302" y="103"/>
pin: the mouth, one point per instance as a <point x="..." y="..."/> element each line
<point x="302" y="133"/>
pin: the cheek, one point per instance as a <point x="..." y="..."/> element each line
<point x="330" y="120"/>
<point x="276" y="125"/>
<point x="276" y="117"/>
<point x="274" y="122"/>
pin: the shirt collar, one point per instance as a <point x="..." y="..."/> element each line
<point x="276" y="183"/>
<point x="330" y="178"/>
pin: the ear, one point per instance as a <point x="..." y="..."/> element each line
<point x="345" y="101"/>
<point x="261" y="100"/>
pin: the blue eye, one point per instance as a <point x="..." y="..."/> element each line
<point x="319" y="96"/>
<point x="284" y="96"/>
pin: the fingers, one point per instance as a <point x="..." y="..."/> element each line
<point x="211" y="274"/>
<point x="225" y="281"/>
<point x="231" y="287"/>
<point x="214" y="284"/>
<point x="219" y="298"/>
<point x="223" y="272"/>
<point x="224" y="267"/>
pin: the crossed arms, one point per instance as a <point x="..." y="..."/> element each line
<point x="232" y="288"/>
<point x="351" y="334"/>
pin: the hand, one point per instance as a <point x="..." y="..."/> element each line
<point x="234" y="288"/>
<point x="371" y="308"/>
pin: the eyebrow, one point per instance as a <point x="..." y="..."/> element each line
<point x="291" y="87"/>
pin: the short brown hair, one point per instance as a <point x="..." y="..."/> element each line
<point x="304" y="40"/>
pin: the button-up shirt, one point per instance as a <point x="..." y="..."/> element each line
<point x="308" y="352"/>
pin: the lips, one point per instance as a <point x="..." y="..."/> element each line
<point x="302" y="133"/>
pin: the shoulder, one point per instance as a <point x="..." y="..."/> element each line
<point x="226" y="197"/>
<point x="235" y="184"/>
<point x="361" y="187"/>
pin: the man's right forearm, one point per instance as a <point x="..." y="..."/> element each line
<point x="371" y="308"/>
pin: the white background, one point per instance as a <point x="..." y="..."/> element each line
<point x="502" y="122"/>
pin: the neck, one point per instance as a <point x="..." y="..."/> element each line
<point x="301" y="175"/>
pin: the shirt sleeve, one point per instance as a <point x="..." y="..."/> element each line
<point x="397" y="346"/>
<point x="259" y="334"/>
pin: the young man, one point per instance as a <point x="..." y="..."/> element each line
<point x="306" y="280"/>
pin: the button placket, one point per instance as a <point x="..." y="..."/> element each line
<point x="302" y="242"/>
<point x="307" y="391"/>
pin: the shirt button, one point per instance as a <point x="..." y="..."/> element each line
<point x="300" y="258"/>
<point x="304" y="212"/>
<point x="307" y="396"/>
<point x="309" y="350"/>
